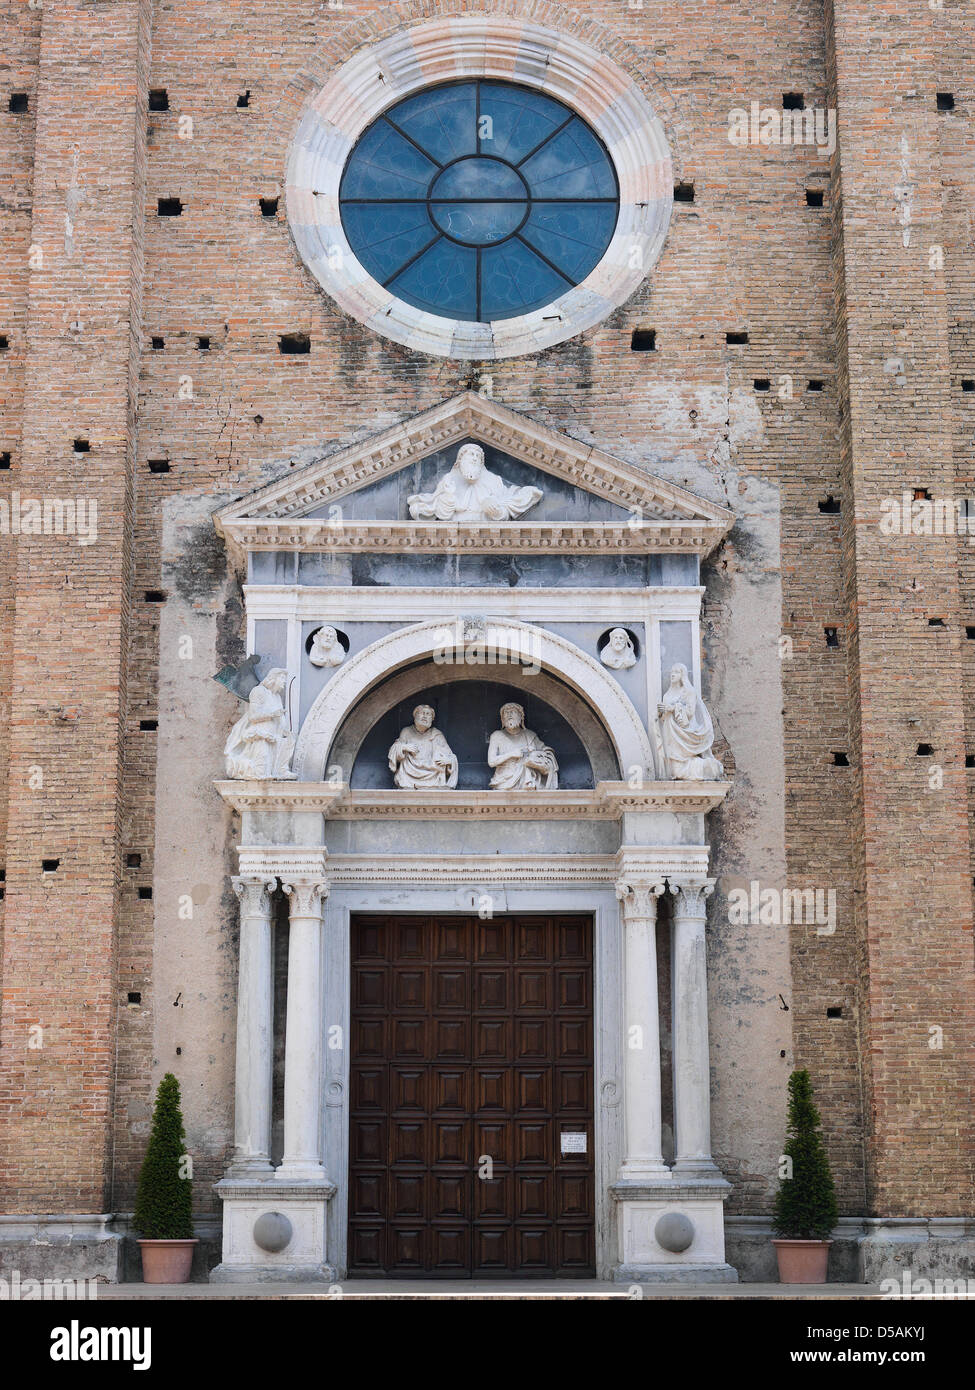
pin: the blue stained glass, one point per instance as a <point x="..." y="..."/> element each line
<point x="515" y="280"/>
<point x="386" y="166"/>
<point x="572" y="165"/>
<point x="572" y="235"/>
<point x="479" y="200"/>
<point x="386" y="235"/>
<point x="518" y="120"/>
<point x="442" y="121"/>
<point x="443" y="281"/>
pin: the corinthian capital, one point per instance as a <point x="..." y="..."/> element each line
<point x="639" y="899"/>
<point x="254" y="892"/>
<point x="306" y="896"/>
<point x="690" y="896"/>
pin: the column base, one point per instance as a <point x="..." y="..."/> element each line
<point x="300" y="1172"/>
<point x="273" y="1229"/>
<point x="646" y="1172"/>
<point x="697" y="1170"/>
<point x="672" y="1231"/>
<point x="250" y="1168"/>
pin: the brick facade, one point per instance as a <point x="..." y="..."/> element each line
<point x="829" y="294"/>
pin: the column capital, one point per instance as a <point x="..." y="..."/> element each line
<point x="254" y="892"/>
<point x="639" y="898"/>
<point x="306" y="894"/>
<point x="690" y="895"/>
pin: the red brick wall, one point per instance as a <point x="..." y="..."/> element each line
<point x="902" y="408"/>
<point x="70" y="620"/>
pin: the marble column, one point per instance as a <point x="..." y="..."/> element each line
<point x="642" y="1158"/>
<point x="692" y="1069"/>
<point x="255" y="1008"/>
<point x="302" y="1159"/>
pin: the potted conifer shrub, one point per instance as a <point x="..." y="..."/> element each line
<point x="805" y="1206"/>
<point x="164" y="1202"/>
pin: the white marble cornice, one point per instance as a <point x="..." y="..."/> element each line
<point x="478" y="871"/>
<point x="314" y="603"/>
<point x="651" y="537"/>
<point x="607" y="801"/>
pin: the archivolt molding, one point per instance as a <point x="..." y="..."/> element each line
<point x="509" y="47"/>
<point x="531" y="646"/>
<point x="406" y="684"/>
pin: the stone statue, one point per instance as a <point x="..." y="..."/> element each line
<point x="685" y="731"/>
<point x="471" y="492"/>
<point x="421" y="756"/>
<point x="520" y="759"/>
<point x="261" y="743"/>
<point x="618" y="653"/>
<point x="326" y="649"/>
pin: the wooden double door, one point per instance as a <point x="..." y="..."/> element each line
<point x="471" y="1126"/>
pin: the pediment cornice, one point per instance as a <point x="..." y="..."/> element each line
<point x="662" y="516"/>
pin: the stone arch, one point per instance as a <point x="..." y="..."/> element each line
<point x="531" y="646"/>
<point x="405" y="684"/>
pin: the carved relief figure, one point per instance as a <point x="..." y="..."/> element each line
<point x="326" y="649"/>
<point x="261" y="743"/>
<point x="421" y="756"/>
<point x="618" y="653"/>
<point x="471" y="492"/>
<point x="686" y="732"/>
<point x="520" y="759"/>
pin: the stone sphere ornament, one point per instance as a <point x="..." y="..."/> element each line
<point x="674" y="1232"/>
<point x="273" y="1232"/>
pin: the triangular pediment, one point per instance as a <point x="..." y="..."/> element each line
<point x="357" y="498"/>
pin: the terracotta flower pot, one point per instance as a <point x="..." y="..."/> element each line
<point x="166" y="1261"/>
<point x="802" y="1261"/>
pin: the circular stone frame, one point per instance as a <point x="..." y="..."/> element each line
<point x="508" y="49"/>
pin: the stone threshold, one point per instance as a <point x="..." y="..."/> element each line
<point x="509" y="1290"/>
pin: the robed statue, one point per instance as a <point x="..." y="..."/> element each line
<point x="685" y="731"/>
<point x="261" y="743"/>
<point x="471" y="492"/>
<point x="421" y="756"/>
<point x="521" y="761"/>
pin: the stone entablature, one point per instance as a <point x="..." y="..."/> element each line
<point x="607" y="801"/>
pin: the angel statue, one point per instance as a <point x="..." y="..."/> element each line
<point x="261" y="743"/>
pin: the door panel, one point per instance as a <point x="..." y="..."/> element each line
<point x="472" y="1057"/>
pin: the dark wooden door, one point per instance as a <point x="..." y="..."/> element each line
<point x="471" y="1090"/>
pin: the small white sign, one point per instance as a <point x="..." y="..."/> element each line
<point x="574" y="1143"/>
